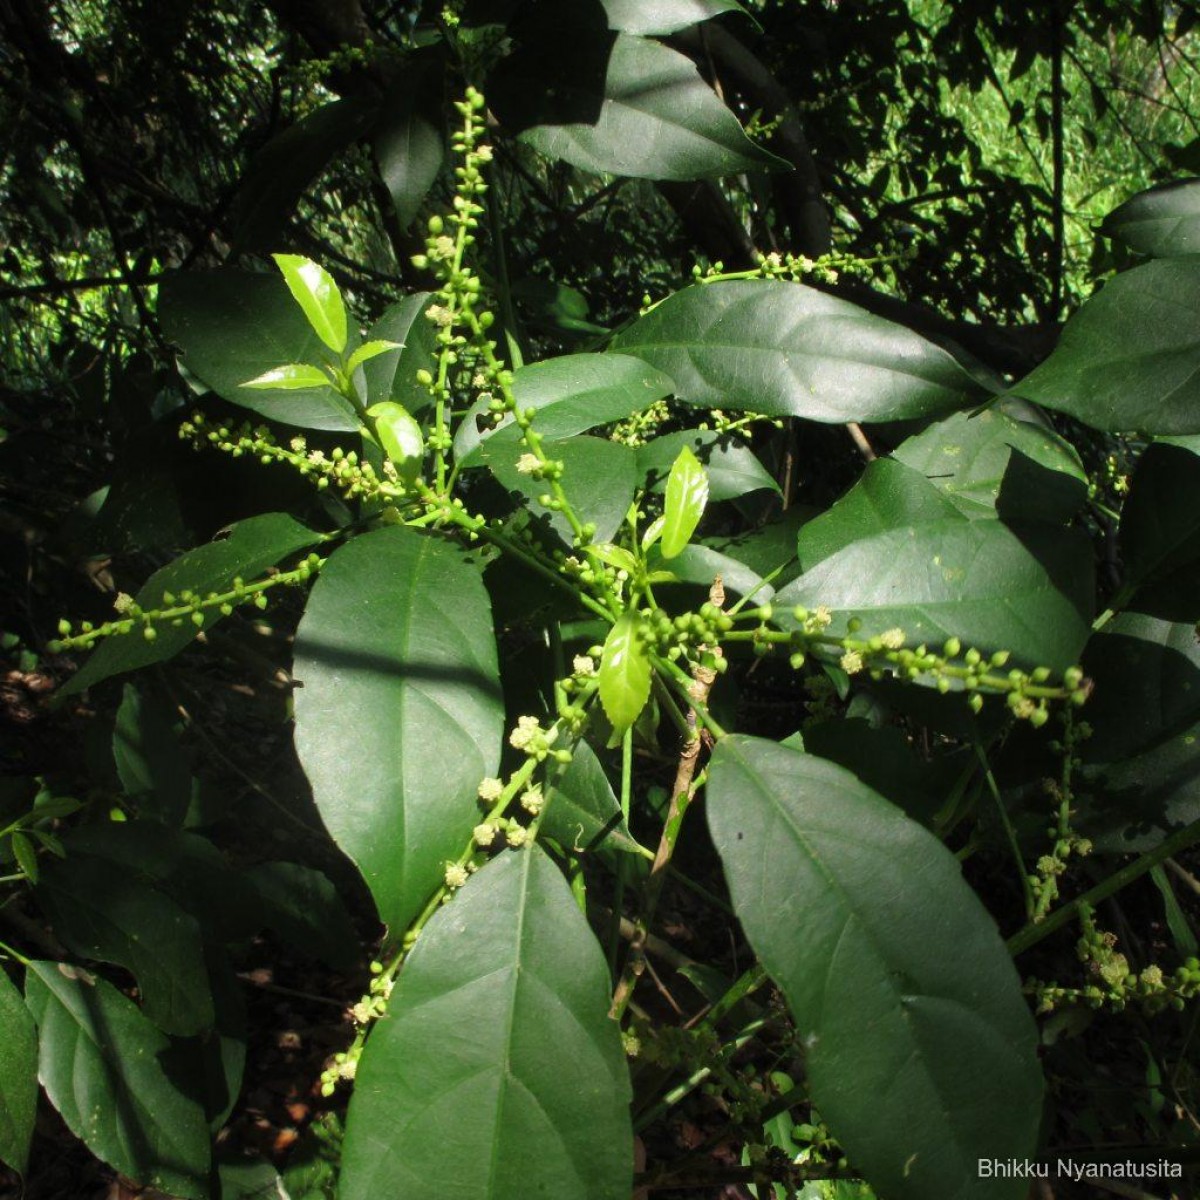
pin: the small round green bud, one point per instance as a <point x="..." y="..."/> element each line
<point x="976" y="703"/>
<point x="952" y="648"/>
<point x="149" y="633"/>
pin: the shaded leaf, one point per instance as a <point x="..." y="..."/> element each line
<point x="664" y="16"/>
<point x="409" y="140"/>
<point x="393" y="374"/>
<point x="582" y="812"/>
<point x="733" y="469"/>
<point x="150" y="761"/>
<point x="303" y="908"/>
<point x="1163" y="222"/>
<point x="18" y="1077"/>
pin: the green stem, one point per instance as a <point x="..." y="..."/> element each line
<point x="1010" y="833"/>
<point x="14" y="954"/>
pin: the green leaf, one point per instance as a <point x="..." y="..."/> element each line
<point x="572" y="394"/>
<point x="699" y="565"/>
<point x="292" y="377"/>
<point x="303" y="908"/>
<point x="664" y="16"/>
<point x="400" y="714"/>
<point x="103" y="1065"/>
<point x="392" y="375"/>
<point x="1160" y="533"/>
<point x="18" y="1077"/>
<point x="784" y="349"/>
<point x="770" y="548"/>
<point x="234" y="325"/>
<point x="409" y="140"/>
<point x="1163" y="222"/>
<point x="687" y="496"/>
<point x="1129" y="359"/>
<point x="25" y="854"/>
<point x="368" y="351"/>
<point x="733" y="468"/>
<point x="599" y="478"/>
<point x="249" y="549"/>
<point x="103" y="914"/>
<point x="991" y="463"/>
<point x="582" y="811"/>
<point x="313" y="288"/>
<point x="887" y="496"/>
<point x="624" y="673"/>
<point x="641" y="109"/>
<point x="401" y="438"/>
<point x="921" y="1053"/>
<point x="150" y="761"/>
<point x="461" y="1090"/>
<point x="1028" y="591"/>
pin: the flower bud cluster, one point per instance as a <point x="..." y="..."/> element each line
<point x="1065" y="842"/>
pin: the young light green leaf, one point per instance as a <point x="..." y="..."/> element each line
<point x="314" y="289"/>
<point x="368" y="351"/>
<point x="615" y="556"/>
<point x="624" y="673"/>
<point x="102" y="1064"/>
<point x="653" y="532"/>
<point x="687" y="494"/>
<point x="921" y="1052"/>
<point x="400" y="436"/>
<point x="18" y="1077"/>
<point x="291" y="377"/>
<point x="461" y="1090"/>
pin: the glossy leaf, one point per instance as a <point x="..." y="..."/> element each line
<point x="149" y="759"/>
<point x="1163" y="222"/>
<point x="461" y="1089"/>
<point x="572" y="394"/>
<point x="582" y="811"/>
<point x="313" y="288"/>
<point x="990" y="463"/>
<point x="700" y="565"/>
<point x="103" y="1065"/>
<point x="303" y="908"/>
<point x="393" y="374"/>
<point x="1129" y="359"/>
<point x="398" y="662"/>
<point x="18" y="1077"/>
<point x="401" y="438"/>
<point x="1028" y="591"/>
<point x="784" y="349"/>
<point x="624" y="673"/>
<point x="664" y="16"/>
<point x="232" y="326"/>
<point x="110" y="916"/>
<point x="370" y="350"/>
<point x="292" y="377"/>
<point x="641" y="108"/>
<point x="687" y="496"/>
<point x="732" y="468"/>
<point x="921" y="1052"/>
<point x="409" y="141"/>
<point x="249" y="549"/>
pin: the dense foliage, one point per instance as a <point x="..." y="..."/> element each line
<point x="579" y="622"/>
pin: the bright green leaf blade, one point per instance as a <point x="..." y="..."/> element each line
<point x="687" y="496"/>
<point x="922" y="1055"/>
<point x="497" y="1072"/>
<point x="732" y="467"/>
<point x="398" y="660"/>
<point x="108" y="916"/>
<point x="661" y="17"/>
<point x="400" y="436"/>
<point x="250" y="548"/>
<point x="303" y="908"/>
<point x="888" y="495"/>
<point x="103" y="1065"/>
<point x="643" y="108"/>
<point x="234" y="325"/>
<point x="1028" y="591"/>
<point x="1129" y="359"/>
<point x="150" y="761"/>
<point x="991" y="463"/>
<point x="572" y="394"/>
<point x="409" y="140"/>
<point x="314" y="289"/>
<point x="1163" y="222"/>
<point x="784" y="349"/>
<point x="583" y="813"/>
<point x="292" y="377"/>
<point x="370" y="350"/>
<point x="624" y="673"/>
<point x="18" y="1077"/>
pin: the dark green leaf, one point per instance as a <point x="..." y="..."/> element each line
<point x="1028" y="591"/>
<point x="303" y="908"/>
<point x="150" y="761"/>
<point x="784" y="349"/>
<point x="582" y="812"/>
<point x="461" y="1089"/>
<point x="887" y="496"/>
<point x="249" y="549"/>
<point x="663" y="16"/>
<point x="409" y="143"/>
<point x="733" y="468"/>
<point x="1163" y="222"/>
<point x="232" y="326"/>
<point x="1129" y="359"/>
<point x="700" y="565"/>
<point x="769" y="548"/>
<point x="98" y="912"/>
<point x="393" y="375"/>
<point x="101" y="1063"/>
<point x="398" y="660"/>
<point x="18" y="1077"/>
<point x="922" y="1055"/>
<point x="686" y="498"/>
<point x="991" y="462"/>
<point x="320" y="301"/>
<point x="624" y="673"/>
<point x="25" y="854"/>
